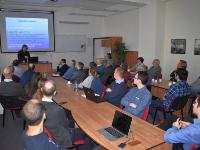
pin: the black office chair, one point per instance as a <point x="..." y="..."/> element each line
<point x="11" y="103"/>
<point x="178" y="103"/>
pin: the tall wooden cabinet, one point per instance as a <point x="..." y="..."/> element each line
<point x="131" y="58"/>
<point x="111" y="42"/>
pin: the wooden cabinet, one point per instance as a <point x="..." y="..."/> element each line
<point x="106" y="43"/>
<point x="131" y="58"/>
<point x="111" y="42"/>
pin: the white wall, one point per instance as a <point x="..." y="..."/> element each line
<point x="125" y="25"/>
<point x="95" y="28"/>
<point x="182" y="22"/>
<point x="142" y="30"/>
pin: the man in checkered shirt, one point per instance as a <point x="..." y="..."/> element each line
<point x="180" y="88"/>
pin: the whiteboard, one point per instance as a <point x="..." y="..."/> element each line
<point x="70" y="43"/>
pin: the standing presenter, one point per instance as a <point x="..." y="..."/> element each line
<point x="23" y="54"/>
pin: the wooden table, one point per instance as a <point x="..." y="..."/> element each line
<point x="159" y="89"/>
<point x="91" y="117"/>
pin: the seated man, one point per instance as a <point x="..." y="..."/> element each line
<point x="15" y="78"/>
<point x="182" y="64"/>
<point x="80" y="75"/>
<point x="34" y="137"/>
<point x="100" y="66"/>
<point x="62" y="67"/>
<point x="8" y="87"/>
<point x="97" y="84"/>
<point x="138" y="98"/>
<point x="57" y="121"/>
<point x="185" y="132"/>
<point x="27" y="75"/>
<point x="117" y="89"/>
<point x="70" y="72"/>
<point x="18" y="71"/>
<point x="180" y="88"/>
<point x="139" y="66"/>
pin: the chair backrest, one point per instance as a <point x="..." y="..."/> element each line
<point x="145" y="113"/>
<point x="178" y="103"/>
<point x="11" y="102"/>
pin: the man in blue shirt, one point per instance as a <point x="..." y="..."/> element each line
<point x="185" y="132"/>
<point x="180" y="88"/>
<point x="117" y="89"/>
<point x="138" y="98"/>
<point x="70" y="72"/>
<point x="27" y="75"/>
<point x="34" y="138"/>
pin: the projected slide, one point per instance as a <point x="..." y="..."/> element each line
<point x="30" y="31"/>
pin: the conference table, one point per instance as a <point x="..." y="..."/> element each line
<point x="91" y="117"/>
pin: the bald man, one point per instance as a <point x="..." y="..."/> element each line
<point x="34" y="137"/>
<point x="8" y="87"/>
<point x="57" y="121"/>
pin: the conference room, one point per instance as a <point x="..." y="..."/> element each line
<point x="112" y="50"/>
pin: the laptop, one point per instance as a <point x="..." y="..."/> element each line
<point x="89" y="93"/>
<point x="120" y="127"/>
<point x="33" y="60"/>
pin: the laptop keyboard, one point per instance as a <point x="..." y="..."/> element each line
<point x="114" y="132"/>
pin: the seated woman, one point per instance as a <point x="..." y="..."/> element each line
<point x="38" y="94"/>
<point x="181" y="64"/>
<point x="88" y="81"/>
<point x="32" y="86"/>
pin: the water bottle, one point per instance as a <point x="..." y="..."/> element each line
<point x="76" y="87"/>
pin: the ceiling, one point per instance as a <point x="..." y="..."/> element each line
<point x="99" y="8"/>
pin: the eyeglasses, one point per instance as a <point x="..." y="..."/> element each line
<point x="135" y="78"/>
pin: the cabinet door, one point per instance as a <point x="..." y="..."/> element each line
<point x="131" y="58"/>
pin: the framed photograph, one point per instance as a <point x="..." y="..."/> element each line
<point x="197" y="47"/>
<point x="178" y="46"/>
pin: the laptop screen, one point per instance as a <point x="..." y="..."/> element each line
<point x="122" y="122"/>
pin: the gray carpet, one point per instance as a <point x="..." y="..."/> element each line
<point x="10" y="135"/>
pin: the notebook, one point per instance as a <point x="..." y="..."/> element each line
<point x="120" y="127"/>
<point x="89" y="93"/>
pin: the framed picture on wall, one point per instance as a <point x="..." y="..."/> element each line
<point x="178" y="46"/>
<point x="197" y="47"/>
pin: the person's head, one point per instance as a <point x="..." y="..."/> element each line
<point x="119" y="73"/>
<point x="15" y="62"/>
<point x="141" y="78"/>
<point x="24" y="47"/>
<point x="156" y="62"/>
<point x="63" y="61"/>
<point x="196" y="106"/>
<point x="8" y="72"/>
<point x="80" y="65"/>
<point x="31" y="67"/>
<point x="73" y="63"/>
<point x="181" y="74"/>
<point x="34" y="113"/>
<point x="140" y="60"/>
<point x="109" y="56"/>
<point x="92" y="64"/>
<point x="92" y="71"/>
<point x="98" y="61"/>
<point x="49" y="89"/>
<point x="182" y="64"/>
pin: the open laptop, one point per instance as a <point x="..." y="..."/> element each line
<point x="120" y="127"/>
<point x="33" y="60"/>
<point x="89" y="93"/>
